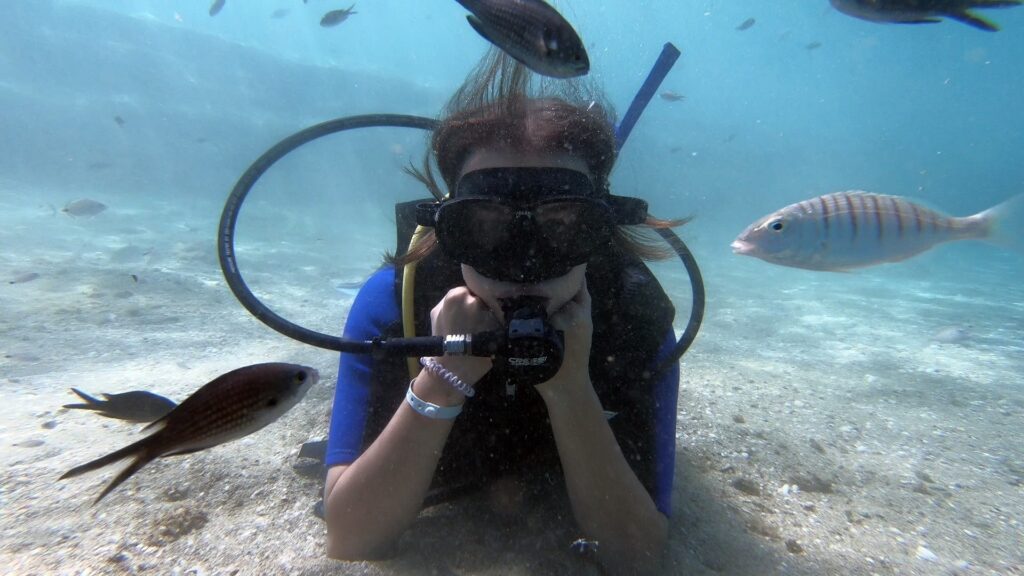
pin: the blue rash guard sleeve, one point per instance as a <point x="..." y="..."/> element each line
<point x="666" y="395"/>
<point x="373" y="310"/>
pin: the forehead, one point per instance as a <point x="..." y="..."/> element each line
<point x="505" y="157"/>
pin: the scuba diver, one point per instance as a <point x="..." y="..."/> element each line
<point x="523" y="225"/>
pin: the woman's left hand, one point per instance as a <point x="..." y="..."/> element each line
<point x="574" y="320"/>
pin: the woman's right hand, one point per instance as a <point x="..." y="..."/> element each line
<point x="460" y="312"/>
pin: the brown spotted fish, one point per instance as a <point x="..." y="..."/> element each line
<point x="854" y="229"/>
<point x="532" y="32"/>
<point x="229" y="407"/>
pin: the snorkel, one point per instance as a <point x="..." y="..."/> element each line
<point x="528" y="349"/>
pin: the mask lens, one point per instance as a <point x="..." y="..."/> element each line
<point x="522" y="243"/>
<point x="573" y="229"/>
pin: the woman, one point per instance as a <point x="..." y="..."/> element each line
<point x="603" y="419"/>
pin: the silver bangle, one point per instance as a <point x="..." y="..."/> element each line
<point x="432" y="366"/>
<point x="428" y="409"/>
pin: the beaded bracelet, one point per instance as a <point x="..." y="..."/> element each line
<point x="432" y="366"/>
<point x="429" y="409"/>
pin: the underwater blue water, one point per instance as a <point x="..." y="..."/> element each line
<point x="155" y="108"/>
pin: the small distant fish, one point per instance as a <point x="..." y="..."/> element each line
<point x="23" y="278"/>
<point x="279" y="13"/>
<point x="672" y="96"/>
<point x="31" y="443"/>
<point x="134" y="277"/>
<point x="119" y="120"/>
<point x="134" y="406"/>
<point x="533" y="33"/>
<point x="854" y="229"/>
<point x="813" y="46"/>
<point x="922" y="11"/>
<point x="229" y="407"/>
<point x="952" y="335"/>
<point x="335" y="17"/>
<point x="746" y="24"/>
<point x="346" y="286"/>
<point x="84" y="207"/>
<point x="216" y="7"/>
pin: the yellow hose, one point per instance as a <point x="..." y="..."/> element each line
<point x="408" y="302"/>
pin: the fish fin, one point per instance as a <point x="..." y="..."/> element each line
<point x="974" y="20"/>
<point x="129" y="450"/>
<point x="141" y="460"/>
<point x="186" y="451"/>
<point x="1005" y="223"/>
<point x="480" y="28"/>
<point x="89" y="400"/>
<point x="924" y="20"/>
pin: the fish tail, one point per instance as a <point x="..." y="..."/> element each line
<point x="141" y="460"/>
<point x="129" y="450"/>
<point x="974" y="20"/>
<point x="1005" y="223"/>
<point x="90" y="402"/>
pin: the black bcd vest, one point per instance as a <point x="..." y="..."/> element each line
<point x="498" y="433"/>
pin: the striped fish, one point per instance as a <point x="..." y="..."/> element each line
<point x="229" y="407"/>
<point x="854" y="229"/>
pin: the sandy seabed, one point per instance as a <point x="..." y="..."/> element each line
<point x="815" y="435"/>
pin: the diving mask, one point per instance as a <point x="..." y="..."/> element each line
<point x="527" y="224"/>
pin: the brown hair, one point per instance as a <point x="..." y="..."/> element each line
<point x="503" y="104"/>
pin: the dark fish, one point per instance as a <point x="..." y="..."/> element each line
<point x="672" y="96"/>
<point x="22" y="278"/>
<point x="533" y="33"/>
<point x="136" y="406"/>
<point x="229" y="407"/>
<point x="279" y="13"/>
<point x="813" y="46"/>
<point x="216" y="7"/>
<point x="922" y="11"/>
<point x="119" y="120"/>
<point x="335" y="17"/>
<point x="746" y="24"/>
<point x="84" y="207"/>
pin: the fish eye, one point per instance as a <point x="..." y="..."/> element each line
<point x="776" y="225"/>
<point x="272" y="402"/>
<point x="301" y="376"/>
